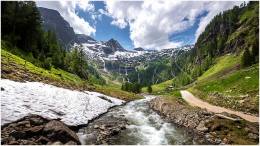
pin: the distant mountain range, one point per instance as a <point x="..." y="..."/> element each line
<point x="102" y="52"/>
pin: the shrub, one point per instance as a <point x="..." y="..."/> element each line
<point x="149" y="89"/>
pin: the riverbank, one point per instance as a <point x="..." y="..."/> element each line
<point x="208" y="128"/>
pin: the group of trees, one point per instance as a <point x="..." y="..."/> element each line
<point x="250" y="57"/>
<point x="153" y="72"/>
<point x="131" y="87"/>
<point x="22" y="30"/>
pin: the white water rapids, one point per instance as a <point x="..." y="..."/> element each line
<point x="145" y="127"/>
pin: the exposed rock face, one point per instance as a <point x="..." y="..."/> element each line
<point x="208" y="128"/>
<point x="102" y="130"/>
<point x="34" y="129"/>
<point x="114" y="46"/>
<point x="52" y="20"/>
<point x="81" y="38"/>
<point x="139" y="49"/>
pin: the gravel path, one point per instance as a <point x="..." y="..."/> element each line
<point x="193" y="101"/>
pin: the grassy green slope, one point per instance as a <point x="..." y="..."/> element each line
<point x="225" y="84"/>
<point x="223" y="64"/>
<point x="15" y="68"/>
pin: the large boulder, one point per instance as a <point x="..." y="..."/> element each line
<point x="56" y="130"/>
<point x="36" y="130"/>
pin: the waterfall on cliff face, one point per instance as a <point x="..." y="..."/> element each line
<point x="104" y="65"/>
<point x="126" y="71"/>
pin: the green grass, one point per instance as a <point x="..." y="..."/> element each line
<point x="159" y="87"/>
<point x="242" y="80"/>
<point x="15" y="62"/>
<point x="247" y="14"/>
<point x="114" y="90"/>
<point x="222" y="63"/>
<point x="174" y="95"/>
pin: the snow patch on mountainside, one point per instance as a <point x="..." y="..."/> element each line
<point x="72" y="107"/>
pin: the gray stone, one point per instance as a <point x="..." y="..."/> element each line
<point x="252" y="136"/>
<point x="201" y="127"/>
<point x="56" y="130"/>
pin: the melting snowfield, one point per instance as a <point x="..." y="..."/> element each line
<point x="72" y="107"/>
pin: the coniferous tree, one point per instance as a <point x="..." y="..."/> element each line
<point x="149" y="89"/>
<point x="246" y="58"/>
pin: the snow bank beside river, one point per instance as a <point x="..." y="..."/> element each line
<point x="72" y="107"/>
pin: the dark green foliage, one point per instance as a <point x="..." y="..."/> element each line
<point x="21" y="28"/>
<point x="246" y="58"/>
<point x="76" y="63"/>
<point x="153" y="72"/>
<point x="47" y="63"/>
<point x="21" y="24"/>
<point x="131" y="87"/>
<point x="22" y="31"/>
<point x="149" y="89"/>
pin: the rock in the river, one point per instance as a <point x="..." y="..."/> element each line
<point x="34" y="129"/>
<point x="102" y="130"/>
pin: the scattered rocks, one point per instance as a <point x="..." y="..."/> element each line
<point x="253" y="136"/>
<point x="103" y="129"/>
<point x="202" y="127"/>
<point x="34" y="129"/>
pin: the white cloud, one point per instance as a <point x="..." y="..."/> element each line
<point x="67" y="11"/>
<point x="152" y="22"/>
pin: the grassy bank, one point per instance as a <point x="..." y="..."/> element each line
<point x="15" y="68"/>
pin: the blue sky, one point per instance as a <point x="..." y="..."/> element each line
<point x="104" y="29"/>
<point x="149" y="24"/>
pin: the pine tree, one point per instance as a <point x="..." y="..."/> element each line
<point x="149" y="89"/>
<point x="246" y="58"/>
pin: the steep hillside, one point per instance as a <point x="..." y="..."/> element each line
<point x="234" y="31"/>
<point x="233" y="80"/>
<point x="223" y="67"/>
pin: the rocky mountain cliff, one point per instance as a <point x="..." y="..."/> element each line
<point x="52" y="20"/>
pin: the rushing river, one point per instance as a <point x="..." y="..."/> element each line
<point x="146" y="126"/>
